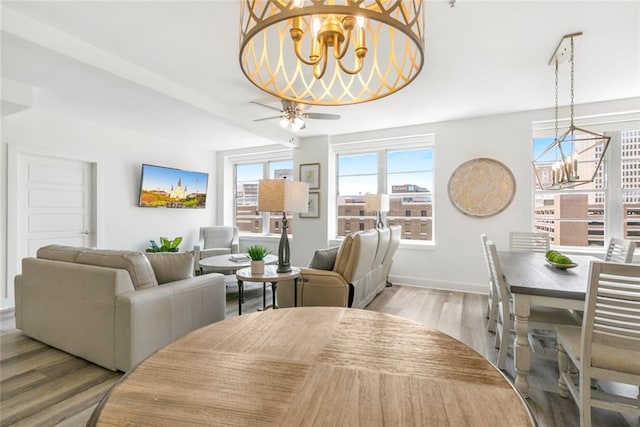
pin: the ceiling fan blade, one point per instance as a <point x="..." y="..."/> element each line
<point x="321" y="116"/>
<point x="265" y="105"/>
<point x="268" y="118"/>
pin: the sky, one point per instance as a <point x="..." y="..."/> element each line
<point x="158" y="177"/>
<point x="358" y="173"/>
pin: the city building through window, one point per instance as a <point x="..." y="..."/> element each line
<point x="406" y="175"/>
<point x="246" y="177"/>
<point x="590" y="215"/>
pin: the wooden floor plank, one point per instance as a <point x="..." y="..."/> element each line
<point x="50" y="393"/>
<point x="75" y="404"/>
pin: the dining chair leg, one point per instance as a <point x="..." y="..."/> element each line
<point x="585" y="398"/>
<point x="504" y="349"/>
<point x="563" y="367"/>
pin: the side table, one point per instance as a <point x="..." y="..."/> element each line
<point x="270" y="275"/>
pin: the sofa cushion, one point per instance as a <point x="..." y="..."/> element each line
<point x="60" y="253"/>
<point x="324" y="259"/>
<point x="170" y="267"/>
<point x="138" y="266"/>
<point x="350" y="265"/>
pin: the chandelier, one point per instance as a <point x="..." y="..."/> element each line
<point x="574" y="157"/>
<point x="331" y="52"/>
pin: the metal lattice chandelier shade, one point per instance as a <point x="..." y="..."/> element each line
<point x="331" y="52"/>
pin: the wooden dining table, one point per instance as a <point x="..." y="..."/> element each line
<point x="534" y="282"/>
<point x="321" y="366"/>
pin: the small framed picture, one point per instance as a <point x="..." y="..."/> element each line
<point x="310" y="173"/>
<point x="313" y="207"/>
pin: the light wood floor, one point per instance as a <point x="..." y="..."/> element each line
<point x="41" y="386"/>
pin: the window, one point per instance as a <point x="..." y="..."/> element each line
<point x="589" y="215"/>
<point x="247" y="175"/>
<point x="406" y="175"/>
<point x="630" y="158"/>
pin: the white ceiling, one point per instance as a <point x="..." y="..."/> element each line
<point x="170" y="69"/>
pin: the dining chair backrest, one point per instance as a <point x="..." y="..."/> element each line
<point x="498" y="277"/>
<point x="612" y="309"/>
<point x="620" y="250"/>
<point x="528" y="241"/>
<point x="485" y="251"/>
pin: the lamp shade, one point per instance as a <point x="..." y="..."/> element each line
<point x="376" y="202"/>
<point x="281" y="195"/>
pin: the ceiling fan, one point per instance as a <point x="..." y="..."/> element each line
<point x="292" y="114"/>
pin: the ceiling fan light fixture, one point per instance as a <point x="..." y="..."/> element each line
<point x="297" y="124"/>
<point x="331" y="52"/>
<point x="284" y="122"/>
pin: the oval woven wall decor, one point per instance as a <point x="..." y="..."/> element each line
<point x="481" y="187"/>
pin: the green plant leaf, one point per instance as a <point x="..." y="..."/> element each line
<point x="175" y="242"/>
<point x="257" y="252"/>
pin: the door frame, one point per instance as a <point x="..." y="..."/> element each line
<point x="14" y="154"/>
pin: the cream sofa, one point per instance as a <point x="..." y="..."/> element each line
<point x="359" y="273"/>
<point x="113" y="308"/>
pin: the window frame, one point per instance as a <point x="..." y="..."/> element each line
<point x="266" y="159"/>
<point x="612" y="125"/>
<point x="381" y="147"/>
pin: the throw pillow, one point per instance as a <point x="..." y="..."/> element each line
<point x="170" y="267"/>
<point x="324" y="259"/>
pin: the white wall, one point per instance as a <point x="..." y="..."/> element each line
<point x="455" y="261"/>
<point x="119" y="155"/>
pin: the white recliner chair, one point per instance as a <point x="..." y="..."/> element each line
<point x="215" y="240"/>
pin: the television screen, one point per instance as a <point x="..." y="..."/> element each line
<point x="172" y="188"/>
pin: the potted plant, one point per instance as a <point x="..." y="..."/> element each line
<point x="166" y="245"/>
<point x="257" y="253"/>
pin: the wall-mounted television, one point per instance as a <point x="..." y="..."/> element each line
<point x="172" y="188"/>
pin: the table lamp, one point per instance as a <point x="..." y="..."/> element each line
<point x="282" y="195"/>
<point x="378" y="203"/>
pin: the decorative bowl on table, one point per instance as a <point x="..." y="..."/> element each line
<point x="561" y="266"/>
<point x="559" y="260"/>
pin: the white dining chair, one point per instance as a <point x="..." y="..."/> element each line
<point x="492" y="303"/>
<point x="527" y="241"/>
<point x="607" y="347"/>
<point x="540" y="318"/>
<point x="620" y="250"/>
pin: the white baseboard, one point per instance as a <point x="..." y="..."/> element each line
<point x="7" y="313"/>
<point x="473" y="288"/>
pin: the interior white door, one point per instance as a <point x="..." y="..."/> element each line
<point x="55" y="203"/>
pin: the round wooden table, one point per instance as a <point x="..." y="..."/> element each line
<point x="314" y="366"/>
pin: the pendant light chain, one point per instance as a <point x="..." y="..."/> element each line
<point x="556" y="101"/>
<point x="572" y="76"/>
